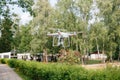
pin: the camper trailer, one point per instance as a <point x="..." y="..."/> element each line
<point x="8" y="55"/>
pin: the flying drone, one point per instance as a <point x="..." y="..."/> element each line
<point x="62" y="38"/>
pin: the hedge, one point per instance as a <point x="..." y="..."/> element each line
<point x="57" y="71"/>
<point x="4" y="61"/>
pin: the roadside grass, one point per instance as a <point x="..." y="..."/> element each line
<point x="94" y="62"/>
<point x="22" y="75"/>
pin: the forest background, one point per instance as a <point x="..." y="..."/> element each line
<point x="99" y="20"/>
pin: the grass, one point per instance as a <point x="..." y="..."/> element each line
<point x="22" y="76"/>
<point x="93" y="62"/>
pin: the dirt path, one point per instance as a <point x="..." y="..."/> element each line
<point x="100" y="66"/>
<point x="6" y="73"/>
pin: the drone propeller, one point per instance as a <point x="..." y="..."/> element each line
<point x="57" y="29"/>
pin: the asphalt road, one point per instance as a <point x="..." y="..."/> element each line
<point x="7" y="73"/>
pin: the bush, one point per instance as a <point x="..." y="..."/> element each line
<point x="3" y="61"/>
<point x="56" y="71"/>
<point x="45" y="71"/>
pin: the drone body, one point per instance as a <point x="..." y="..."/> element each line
<point x="61" y="36"/>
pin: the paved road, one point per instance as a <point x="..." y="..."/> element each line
<point x="6" y="73"/>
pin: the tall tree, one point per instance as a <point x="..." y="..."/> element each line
<point x="110" y="12"/>
<point x="98" y="33"/>
<point x="40" y="24"/>
<point x="6" y="20"/>
<point x="74" y="15"/>
<point x="25" y="35"/>
<point x="6" y="37"/>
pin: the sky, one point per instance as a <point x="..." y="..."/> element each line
<point x="53" y="2"/>
<point x="25" y="16"/>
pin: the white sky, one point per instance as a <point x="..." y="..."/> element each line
<point x="52" y="2"/>
<point x="25" y="16"/>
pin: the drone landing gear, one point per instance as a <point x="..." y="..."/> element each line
<point x="64" y="42"/>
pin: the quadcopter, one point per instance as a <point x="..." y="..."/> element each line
<point x="62" y="38"/>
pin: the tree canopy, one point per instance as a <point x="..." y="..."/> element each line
<point x="102" y="35"/>
<point x="7" y="21"/>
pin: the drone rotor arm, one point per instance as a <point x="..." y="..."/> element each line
<point x="72" y="34"/>
<point x="53" y="34"/>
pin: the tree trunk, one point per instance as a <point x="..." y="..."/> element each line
<point x="76" y="46"/>
<point x="103" y="52"/>
<point x="111" y="59"/>
<point x="45" y="55"/>
<point x="97" y="49"/>
<point x="82" y="60"/>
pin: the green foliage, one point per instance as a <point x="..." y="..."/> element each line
<point x="70" y="58"/>
<point x="93" y="61"/>
<point x="24" y="44"/>
<point x="109" y="10"/>
<point x="40" y="24"/>
<point x="73" y="15"/>
<point x="24" y="4"/>
<point x="23" y="76"/>
<point x="6" y="38"/>
<point x="4" y="61"/>
<point x="47" y="71"/>
<point x="57" y="71"/>
<point x="7" y="21"/>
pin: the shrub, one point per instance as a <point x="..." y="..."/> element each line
<point x="56" y="71"/>
<point x="4" y="61"/>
